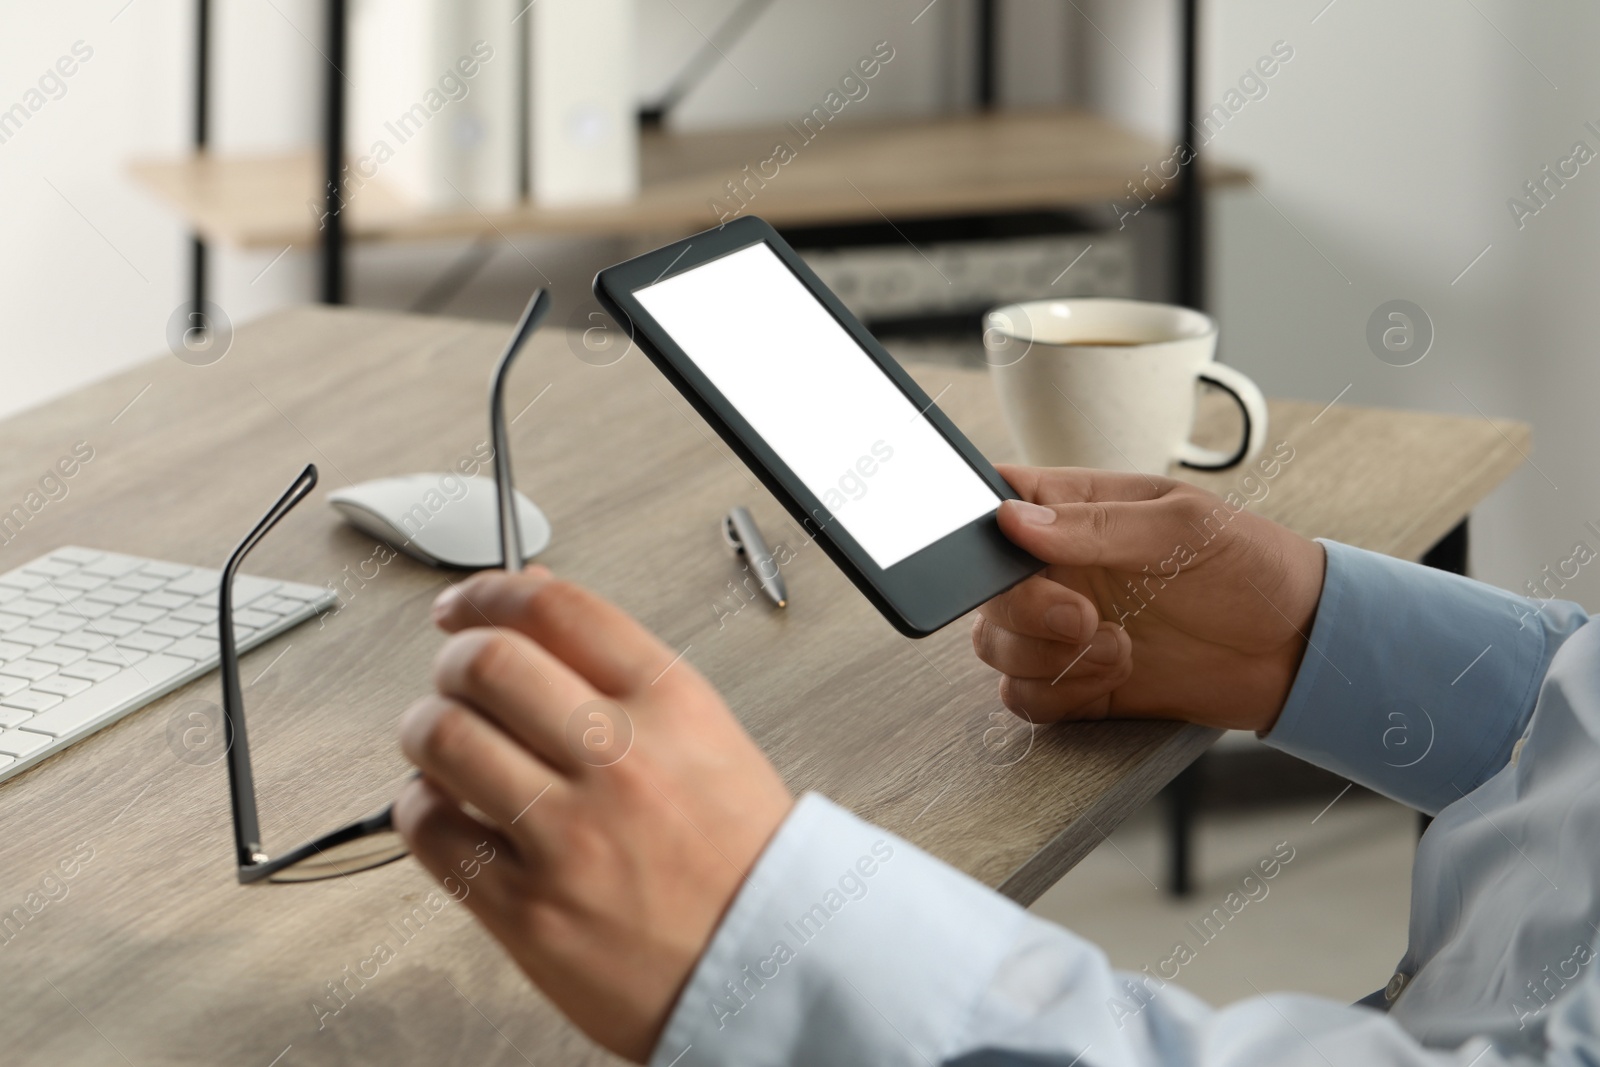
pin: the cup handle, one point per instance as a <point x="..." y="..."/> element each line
<point x="1252" y="407"/>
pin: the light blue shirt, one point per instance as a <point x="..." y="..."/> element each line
<point x="848" y="945"/>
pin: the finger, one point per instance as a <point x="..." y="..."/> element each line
<point x="474" y="760"/>
<point x="597" y="639"/>
<point x="468" y="858"/>
<point x="468" y="602"/>
<point x="1072" y="693"/>
<point x="516" y="684"/>
<point x="1064" y="485"/>
<point x="1021" y="657"/>
<point x="1128" y="535"/>
<point x="1040" y="607"/>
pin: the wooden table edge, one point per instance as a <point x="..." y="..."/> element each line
<point x="1082" y="834"/>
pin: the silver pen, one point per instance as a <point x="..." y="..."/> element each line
<point x="744" y="537"/>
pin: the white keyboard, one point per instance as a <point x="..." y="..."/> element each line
<point x="87" y="637"/>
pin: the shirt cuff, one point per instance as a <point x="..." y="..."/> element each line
<point x="812" y="961"/>
<point x="1416" y="683"/>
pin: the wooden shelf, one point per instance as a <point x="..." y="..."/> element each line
<point x="979" y="164"/>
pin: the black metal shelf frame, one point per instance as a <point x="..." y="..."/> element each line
<point x="1188" y="205"/>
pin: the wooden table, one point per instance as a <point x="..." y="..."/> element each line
<point x="155" y="955"/>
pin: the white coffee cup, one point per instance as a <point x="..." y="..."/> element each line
<point x="1111" y="384"/>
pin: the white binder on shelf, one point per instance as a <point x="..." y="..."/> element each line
<point x="583" y="135"/>
<point x="434" y="102"/>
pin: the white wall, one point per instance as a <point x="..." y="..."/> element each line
<point x="1391" y="143"/>
<point x="86" y="265"/>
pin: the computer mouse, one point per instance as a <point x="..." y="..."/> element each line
<point x="444" y="520"/>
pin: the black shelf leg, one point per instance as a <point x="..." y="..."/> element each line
<point x="988" y="58"/>
<point x="1190" y="253"/>
<point x="333" y="233"/>
<point x="197" y="282"/>
<point x="202" y="136"/>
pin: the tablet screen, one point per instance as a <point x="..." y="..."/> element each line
<point x="820" y="402"/>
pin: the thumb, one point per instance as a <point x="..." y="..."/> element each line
<point x="1122" y="534"/>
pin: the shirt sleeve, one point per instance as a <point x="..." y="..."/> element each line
<point x="847" y="946"/>
<point x="1416" y="683"/>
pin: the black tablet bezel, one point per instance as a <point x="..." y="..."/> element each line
<point x="918" y="595"/>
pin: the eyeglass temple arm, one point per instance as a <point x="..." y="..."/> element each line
<point x="505" y="490"/>
<point x="241" y="783"/>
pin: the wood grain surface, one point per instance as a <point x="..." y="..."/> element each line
<point x="152" y="954"/>
<point x="1016" y="161"/>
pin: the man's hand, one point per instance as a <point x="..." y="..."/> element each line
<point x="613" y="860"/>
<point x="1160" y="602"/>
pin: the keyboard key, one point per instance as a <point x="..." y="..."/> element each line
<point x="55" y="654"/>
<point x="9" y="685"/>
<point x="138" y="613"/>
<point x="257" y="619"/>
<point x="106" y="696"/>
<point x="88" y="609"/>
<point x="113" y="595"/>
<point x="166" y="571"/>
<point x="196" y="584"/>
<point x="82" y="639"/>
<point x="117" y="657"/>
<point x="51" y="594"/>
<point x="60" y="622"/>
<point x="94" y="672"/>
<point x="165" y="601"/>
<point x="278" y="605"/>
<point x="246" y="590"/>
<point x="30" y="669"/>
<point x="113" y="566"/>
<point x="197" y="614"/>
<point x="49" y="568"/>
<point x="303" y="593"/>
<point x="8" y="593"/>
<point x="145" y="642"/>
<point x="172" y="628"/>
<point x="200" y="649"/>
<point x="61" y="686"/>
<point x="19" y="580"/>
<point x="33" y="636"/>
<point x="78" y="557"/>
<point x="22" y="742"/>
<point x="29" y="608"/>
<point x="111" y="627"/>
<point x="29" y="700"/>
<point x="145" y="583"/>
<point x="9" y="621"/>
<point x="13" y="717"/>
<point x="83" y="583"/>
<point x="10" y="651"/>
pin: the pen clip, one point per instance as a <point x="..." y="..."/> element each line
<point x="730" y="534"/>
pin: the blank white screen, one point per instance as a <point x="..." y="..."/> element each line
<point x="820" y="402"/>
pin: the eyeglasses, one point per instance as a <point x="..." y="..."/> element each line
<point x="370" y="842"/>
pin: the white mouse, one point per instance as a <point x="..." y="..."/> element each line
<point x="444" y="520"/>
